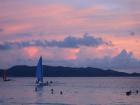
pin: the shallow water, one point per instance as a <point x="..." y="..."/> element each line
<point x="76" y="91"/>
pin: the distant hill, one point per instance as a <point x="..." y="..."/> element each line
<point x="59" y="71"/>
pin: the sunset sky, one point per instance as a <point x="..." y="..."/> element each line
<point x="75" y="33"/>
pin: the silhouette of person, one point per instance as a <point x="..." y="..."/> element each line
<point x="47" y="83"/>
<point x="36" y="88"/>
<point x="51" y="82"/>
<point x="52" y="91"/>
<point x="137" y="91"/>
<point x="128" y="93"/>
<point x="61" y="93"/>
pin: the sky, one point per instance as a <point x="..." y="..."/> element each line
<point x="75" y="33"/>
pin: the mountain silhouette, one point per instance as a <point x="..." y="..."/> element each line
<point x="60" y="71"/>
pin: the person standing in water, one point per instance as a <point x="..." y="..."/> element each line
<point x="52" y="91"/>
<point x="137" y="91"/>
<point x="61" y="93"/>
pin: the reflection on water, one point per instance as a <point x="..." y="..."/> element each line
<point x="76" y="91"/>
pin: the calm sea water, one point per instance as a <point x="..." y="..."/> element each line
<point x="76" y="91"/>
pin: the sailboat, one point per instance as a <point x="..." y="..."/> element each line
<point x="39" y="74"/>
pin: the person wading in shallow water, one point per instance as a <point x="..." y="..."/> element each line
<point x="52" y="91"/>
<point x="128" y="93"/>
<point x="137" y="91"/>
<point x="61" y="93"/>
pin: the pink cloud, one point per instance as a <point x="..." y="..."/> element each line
<point x="58" y="19"/>
<point x="72" y="54"/>
<point x="129" y="43"/>
<point x="31" y="52"/>
<point x="17" y="28"/>
<point x="64" y="53"/>
<point x="51" y="53"/>
<point x="64" y="18"/>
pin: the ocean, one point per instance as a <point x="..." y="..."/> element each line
<point x="75" y="91"/>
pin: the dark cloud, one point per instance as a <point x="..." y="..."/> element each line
<point x="68" y="42"/>
<point x="5" y="46"/>
<point x="11" y="45"/>
<point x="72" y="42"/>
